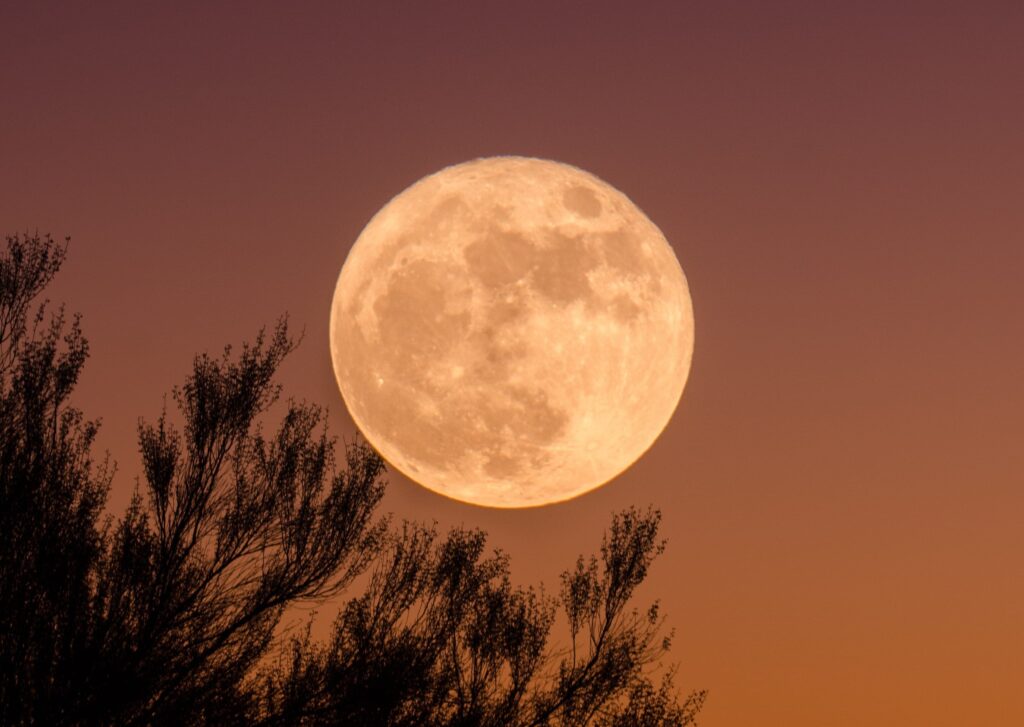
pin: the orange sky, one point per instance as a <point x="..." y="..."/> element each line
<point x="842" y="183"/>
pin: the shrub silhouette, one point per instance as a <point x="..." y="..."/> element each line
<point x="172" y="613"/>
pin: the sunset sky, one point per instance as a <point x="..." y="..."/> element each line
<point x="843" y="183"/>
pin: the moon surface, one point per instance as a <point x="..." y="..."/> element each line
<point x="511" y="332"/>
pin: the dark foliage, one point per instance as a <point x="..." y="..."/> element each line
<point x="51" y="497"/>
<point x="441" y="637"/>
<point x="172" y="613"/>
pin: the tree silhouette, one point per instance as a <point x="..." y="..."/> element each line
<point x="441" y="637"/>
<point x="172" y="613"/>
<point x="51" y="496"/>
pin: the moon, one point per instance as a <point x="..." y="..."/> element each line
<point x="511" y="332"/>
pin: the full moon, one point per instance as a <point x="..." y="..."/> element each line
<point x="511" y="332"/>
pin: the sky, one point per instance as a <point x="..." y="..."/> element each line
<point x="842" y="484"/>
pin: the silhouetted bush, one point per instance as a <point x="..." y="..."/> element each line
<point x="170" y="614"/>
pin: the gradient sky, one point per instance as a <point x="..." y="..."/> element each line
<point x="843" y="483"/>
